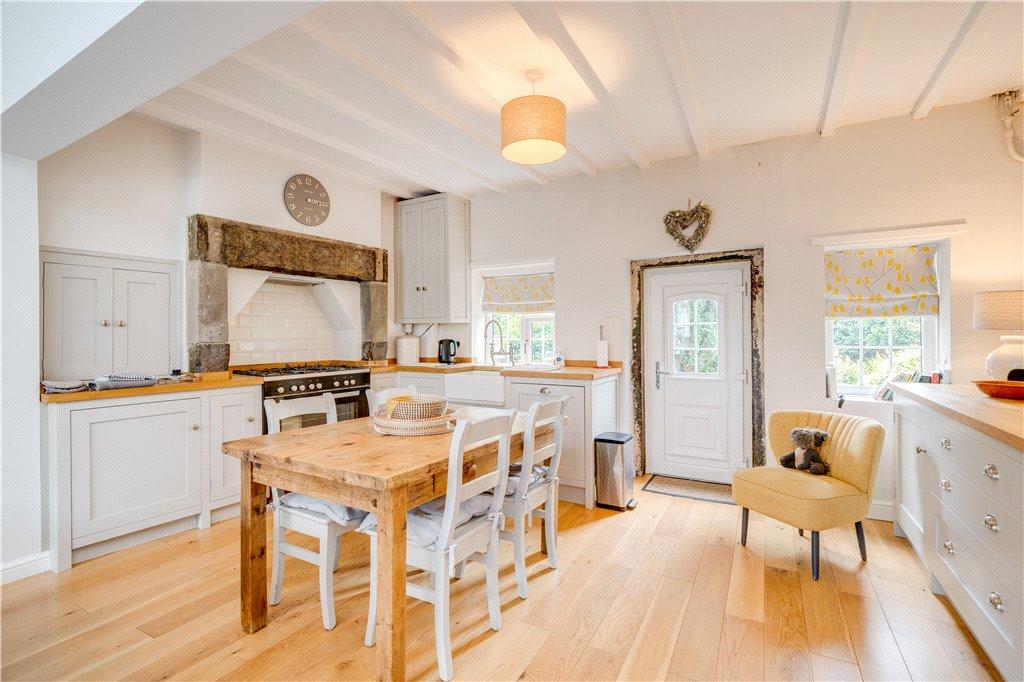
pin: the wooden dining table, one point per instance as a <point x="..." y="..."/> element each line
<point x="350" y="463"/>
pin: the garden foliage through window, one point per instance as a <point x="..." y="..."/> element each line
<point x="867" y="351"/>
<point x="530" y="338"/>
<point x="695" y="336"/>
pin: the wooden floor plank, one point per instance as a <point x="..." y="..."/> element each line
<point x="663" y="592"/>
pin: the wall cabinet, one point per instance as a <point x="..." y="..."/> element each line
<point x="433" y="259"/>
<point x="105" y="315"/>
<point x="125" y="470"/>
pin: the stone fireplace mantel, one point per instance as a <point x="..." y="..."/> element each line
<point x="216" y="244"/>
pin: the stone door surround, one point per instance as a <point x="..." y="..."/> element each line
<point x="216" y="244"/>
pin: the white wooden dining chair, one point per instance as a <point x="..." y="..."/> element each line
<point x="535" y="484"/>
<point x="462" y="526"/>
<point x="377" y="398"/>
<point x="308" y="515"/>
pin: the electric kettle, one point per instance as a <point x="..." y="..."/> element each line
<point x="446" y="351"/>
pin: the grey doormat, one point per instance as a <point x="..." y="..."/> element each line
<point x="719" y="493"/>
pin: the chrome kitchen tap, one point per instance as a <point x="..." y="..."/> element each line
<point x="502" y="349"/>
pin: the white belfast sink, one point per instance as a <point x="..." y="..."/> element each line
<point x="476" y="387"/>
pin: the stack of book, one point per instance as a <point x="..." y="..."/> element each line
<point x="884" y="391"/>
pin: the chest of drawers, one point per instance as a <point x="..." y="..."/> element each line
<point x="960" y="490"/>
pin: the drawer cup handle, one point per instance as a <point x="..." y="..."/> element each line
<point x="992" y="523"/>
<point x="195" y="427"/>
<point x="945" y="485"/>
<point x="919" y="450"/>
<point x="546" y="390"/>
<point x="995" y="601"/>
<point x="251" y="419"/>
<point x="946" y="443"/>
<point x="949" y="547"/>
<point x="992" y="472"/>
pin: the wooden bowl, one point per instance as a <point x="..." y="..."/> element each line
<point x="1010" y="390"/>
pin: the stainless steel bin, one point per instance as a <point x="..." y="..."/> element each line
<point x="614" y="454"/>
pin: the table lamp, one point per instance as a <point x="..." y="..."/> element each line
<point x="1002" y="311"/>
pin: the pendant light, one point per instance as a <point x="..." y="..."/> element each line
<point x="533" y="127"/>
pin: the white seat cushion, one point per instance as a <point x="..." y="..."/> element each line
<point x="515" y="472"/>
<point x="423" y="524"/>
<point x="338" y="513"/>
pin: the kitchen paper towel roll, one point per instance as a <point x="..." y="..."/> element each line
<point x="602" y="354"/>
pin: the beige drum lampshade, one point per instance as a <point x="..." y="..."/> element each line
<point x="999" y="310"/>
<point x="533" y="129"/>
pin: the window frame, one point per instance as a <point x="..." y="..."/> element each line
<point x="694" y="324"/>
<point x="929" y="349"/>
<point x="526" y="336"/>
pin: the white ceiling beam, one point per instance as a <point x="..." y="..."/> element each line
<point x="335" y="143"/>
<point x="330" y="46"/>
<point x="548" y="27"/>
<point x="434" y="35"/>
<point x="184" y="120"/>
<point x="674" y="62"/>
<point x="932" y="90"/>
<point x="849" y="27"/>
<point x="350" y="110"/>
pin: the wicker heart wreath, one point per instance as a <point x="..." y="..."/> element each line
<point x="678" y="221"/>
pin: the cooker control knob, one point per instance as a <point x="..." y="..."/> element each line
<point x="351" y="382"/>
<point x="302" y="387"/>
<point x="319" y="385"/>
<point x="337" y="383"/>
<point x="280" y="389"/>
<point x="294" y="388"/>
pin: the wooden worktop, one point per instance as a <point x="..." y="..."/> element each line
<point x="207" y="382"/>
<point x="572" y="372"/>
<point x="998" y="418"/>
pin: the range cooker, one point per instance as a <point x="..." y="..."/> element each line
<point x="348" y="385"/>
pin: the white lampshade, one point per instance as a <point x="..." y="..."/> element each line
<point x="999" y="310"/>
<point x="533" y="130"/>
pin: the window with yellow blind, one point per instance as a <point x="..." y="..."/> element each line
<point x="881" y="308"/>
<point x="523" y="306"/>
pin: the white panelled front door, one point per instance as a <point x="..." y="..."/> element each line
<point x="697" y="370"/>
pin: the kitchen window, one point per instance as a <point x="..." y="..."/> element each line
<point x="522" y="307"/>
<point x="529" y="338"/>
<point x="866" y="352"/>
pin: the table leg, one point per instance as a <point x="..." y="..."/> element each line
<point x="253" y="552"/>
<point x="391" y="522"/>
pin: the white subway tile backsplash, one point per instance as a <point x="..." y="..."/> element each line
<point x="280" y="323"/>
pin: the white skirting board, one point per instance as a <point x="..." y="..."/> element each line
<point x="26" y="566"/>
<point x="882" y="510"/>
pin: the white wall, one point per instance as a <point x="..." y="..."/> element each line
<point x="775" y="194"/>
<point x="23" y="466"/>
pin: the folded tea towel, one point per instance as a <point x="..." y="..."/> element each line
<point x="336" y="512"/>
<point x="64" y="386"/>
<point x="106" y="382"/>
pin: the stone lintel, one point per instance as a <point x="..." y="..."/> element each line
<point x="242" y="245"/>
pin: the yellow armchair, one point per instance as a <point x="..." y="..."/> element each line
<point x="816" y="503"/>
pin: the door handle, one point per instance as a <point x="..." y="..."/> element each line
<point x="545" y="390"/>
<point x="658" y="373"/>
<point x="104" y="323"/>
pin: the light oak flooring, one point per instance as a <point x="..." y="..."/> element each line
<point x="662" y="592"/>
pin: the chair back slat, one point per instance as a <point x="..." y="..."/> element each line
<point x="469" y="435"/>
<point x="541" y="414"/>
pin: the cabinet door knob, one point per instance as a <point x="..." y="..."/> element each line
<point x="945" y="485"/>
<point x="195" y="427"/>
<point x="104" y="323"/>
<point x="992" y="472"/>
<point x="946" y="443"/>
<point x="949" y="547"/>
<point x="545" y="390"/>
<point x="251" y="419"/>
<point x="424" y="288"/>
<point x="122" y="323"/>
<point x="919" y="450"/>
<point x="418" y="289"/>
<point x="995" y="601"/>
<point x="992" y="523"/>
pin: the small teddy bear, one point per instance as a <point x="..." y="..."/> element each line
<point x="807" y="455"/>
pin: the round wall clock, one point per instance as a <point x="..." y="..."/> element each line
<point x="306" y="199"/>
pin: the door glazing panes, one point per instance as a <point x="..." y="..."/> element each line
<point x="695" y="338"/>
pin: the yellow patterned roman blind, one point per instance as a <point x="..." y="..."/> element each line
<point x="882" y="282"/>
<point x="519" y="294"/>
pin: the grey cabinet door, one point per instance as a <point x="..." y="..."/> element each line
<point x="410" y="233"/>
<point x="573" y="466"/>
<point x="141" y="321"/>
<point x="232" y="416"/>
<point x="434" y="259"/>
<point x="77" y="321"/>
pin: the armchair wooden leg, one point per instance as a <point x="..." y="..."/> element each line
<point x="743" y="526"/>
<point x="814" y="554"/>
<point x="860" y="540"/>
<point x="801" y="530"/>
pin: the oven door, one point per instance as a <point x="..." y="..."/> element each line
<point x="349" y="404"/>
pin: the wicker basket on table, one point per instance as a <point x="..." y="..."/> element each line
<point x="417" y="415"/>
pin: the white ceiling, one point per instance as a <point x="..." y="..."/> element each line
<point x="406" y="96"/>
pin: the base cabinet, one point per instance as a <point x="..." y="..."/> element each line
<point x="232" y="416"/>
<point x="424" y="382"/>
<point x="125" y="470"/>
<point x="134" y="463"/>
<point x="572" y="469"/>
